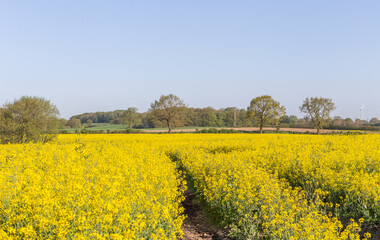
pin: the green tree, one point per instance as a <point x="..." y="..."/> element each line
<point x="374" y="121"/>
<point x="290" y="120"/>
<point x="318" y="109"/>
<point x="62" y="123"/>
<point x="74" y="123"/>
<point x="28" y="119"/>
<point x="221" y="118"/>
<point x="89" y="122"/>
<point x="337" y="121"/>
<point x="208" y="117"/>
<point x="242" y="119"/>
<point x="167" y="110"/>
<point x="358" y="122"/>
<point x="130" y="116"/>
<point x="231" y="118"/>
<point x="191" y="117"/>
<point x="264" y="110"/>
<point x="348" y="122"/>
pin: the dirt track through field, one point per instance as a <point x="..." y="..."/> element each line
<point x="196" y="224"/>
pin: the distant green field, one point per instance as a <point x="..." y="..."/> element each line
<point x="99" y="126"/>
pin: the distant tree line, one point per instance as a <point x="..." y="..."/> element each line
<point x="211" y="117"/>
<point x="99" y="117"/>
<point x="263" y="111"/>
<point x="34" y="119"/>
<point x="189" y="116"/>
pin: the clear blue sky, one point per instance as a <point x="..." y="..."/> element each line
<point x="89" y="56"/>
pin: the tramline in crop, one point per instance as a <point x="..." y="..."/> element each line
<point x="130" y="186"/>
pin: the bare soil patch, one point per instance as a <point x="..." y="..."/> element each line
<point x="374" y="230"/>
<point x="196" y="224"/>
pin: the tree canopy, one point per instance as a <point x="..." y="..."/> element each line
<point x="167" y="110"/>
<point x="130" y="116"/>
<point x="265" y="110"/>
<point x="318" y="109"/>
<point x="28" y="119"/>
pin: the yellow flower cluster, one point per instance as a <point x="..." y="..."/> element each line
<point x="346" y="168"/>
<point x="96" y="187"/>
<point x="283" y="186"/>
<point x="274" y="186"/>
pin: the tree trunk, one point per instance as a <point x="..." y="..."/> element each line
<point x="317" y="130"/>
<point x="261" y="129"/>
<point x="170" y="127"/>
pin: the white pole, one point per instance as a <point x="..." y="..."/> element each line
<point x="235" y="117"/>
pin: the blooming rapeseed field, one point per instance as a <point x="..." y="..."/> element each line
<point x="131" y="186"/>
<point x="287" y="186"/>
<point x="96" y="187"/>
